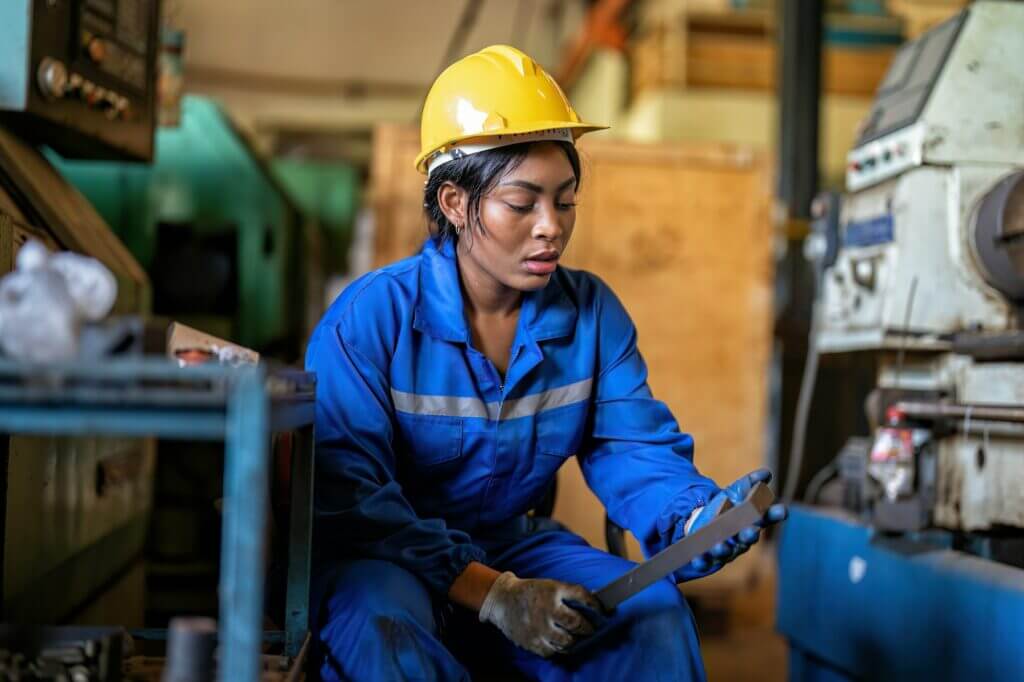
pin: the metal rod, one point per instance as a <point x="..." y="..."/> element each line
<point x="300" y="541"/>
<point x="71" y="420"/>
<point x="246" y="483"/>
<point x="683" y="551"/>
<point x="961" y="411"/>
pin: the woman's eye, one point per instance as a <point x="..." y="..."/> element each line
<point x="565" y="206"/>
<point x="520" y="209"/>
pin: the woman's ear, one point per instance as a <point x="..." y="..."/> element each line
<point x="453" y="201"/>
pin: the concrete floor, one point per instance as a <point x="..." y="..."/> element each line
<point x="745" y="647"/>
<point x="751" y="654"/>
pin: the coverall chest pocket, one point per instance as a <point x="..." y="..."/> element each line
<point x="431" y="441"/>
<point x="560" y="431"/>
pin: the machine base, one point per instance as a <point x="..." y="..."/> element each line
<point x="856" y="609"/>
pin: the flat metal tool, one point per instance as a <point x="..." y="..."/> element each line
<point x="727" y="524"/>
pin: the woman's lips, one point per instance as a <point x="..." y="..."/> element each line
<point x="542" y="264"/>
<point x="541" y="267"/>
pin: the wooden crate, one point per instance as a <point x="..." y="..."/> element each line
<point x="681" y="232"/>
<point x="396" y="193"/>
<point x="922" y="15"/>
<point x="743" y="54"/>
<point x="658" y="59"/>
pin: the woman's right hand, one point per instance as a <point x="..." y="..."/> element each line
<point x="534" y="614"/>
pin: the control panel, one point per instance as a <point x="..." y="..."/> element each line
<point x="84" y="78"/>
<point x="885" y="157"/>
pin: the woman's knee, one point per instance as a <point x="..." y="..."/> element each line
<point x="376" y="622"/>
<point x="662" y="613"/>
<point x="663" y="635"/>
<point x="376" y="591"/>
<point x="661" y="596"/>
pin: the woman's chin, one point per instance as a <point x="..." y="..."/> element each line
<point x="530" y="282"/>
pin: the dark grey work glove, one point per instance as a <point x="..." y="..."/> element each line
<point x="533" y="613"/>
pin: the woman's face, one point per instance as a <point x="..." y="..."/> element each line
<point x="527" y="220"/>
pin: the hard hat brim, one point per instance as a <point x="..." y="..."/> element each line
<point x="577" y="129"/>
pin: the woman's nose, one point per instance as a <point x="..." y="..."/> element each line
<point x="548" y="225"/>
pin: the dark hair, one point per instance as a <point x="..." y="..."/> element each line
<point x="478" y="174"/>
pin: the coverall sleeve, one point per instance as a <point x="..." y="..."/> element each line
<point x="635" y="459"/>
<point x="360" y="511"/>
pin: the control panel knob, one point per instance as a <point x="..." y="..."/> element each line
<point x="52" y="78"/>
<point x="97" y="50"/>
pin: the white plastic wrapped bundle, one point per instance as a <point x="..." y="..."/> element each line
<point x="44" y="301"/>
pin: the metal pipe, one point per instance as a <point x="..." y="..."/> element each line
<point x="995" y="413"/>
<point x="190" y="650"/>
<point x="799" y="104"/>
<point x="244" y="534"/>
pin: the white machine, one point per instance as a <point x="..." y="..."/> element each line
<point x="929" y="270"/>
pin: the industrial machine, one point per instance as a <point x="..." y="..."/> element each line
<point x="78" y="75"/>
<point x="930" y="267"/>
<point x="225" y="246"/>
<point x="920" y="553"/>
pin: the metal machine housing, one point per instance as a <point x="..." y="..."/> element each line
<point x="80" y="75"/>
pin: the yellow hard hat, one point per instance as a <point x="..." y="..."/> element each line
<point x="494" y="97"/>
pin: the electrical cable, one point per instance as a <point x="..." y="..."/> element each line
<point x="826" y="474"/>
<point x="803" y="408"/>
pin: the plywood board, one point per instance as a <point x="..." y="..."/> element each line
<point x="681" y="233"/>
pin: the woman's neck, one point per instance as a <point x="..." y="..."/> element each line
<point x="484" y="294"/>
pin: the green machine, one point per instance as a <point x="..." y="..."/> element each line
<point x="227" y="246"/>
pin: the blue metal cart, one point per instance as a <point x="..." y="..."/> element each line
<point x="242" y="406"/>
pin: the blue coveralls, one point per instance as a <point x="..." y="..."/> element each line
<point x="426" y="462"/>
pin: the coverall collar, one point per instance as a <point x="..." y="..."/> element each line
<point x="547" y="313"/>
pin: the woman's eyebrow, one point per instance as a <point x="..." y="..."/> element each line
<point x="537" y="189"/>
<point x="565" y="185"/>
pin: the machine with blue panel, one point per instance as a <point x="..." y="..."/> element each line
<point x="909" y="562"/>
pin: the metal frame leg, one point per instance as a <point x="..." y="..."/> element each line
<point x="243" y="546"/>
<point x="300" y="537"/>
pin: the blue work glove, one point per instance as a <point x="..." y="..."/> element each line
<point x="724" y="552"/>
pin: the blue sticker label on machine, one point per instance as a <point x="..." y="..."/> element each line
<point x="867" y="232"/>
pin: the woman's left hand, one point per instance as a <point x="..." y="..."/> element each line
<point x="724" y="552"/>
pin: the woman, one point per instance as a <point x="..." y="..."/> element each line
<point x="452" y="386"/>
